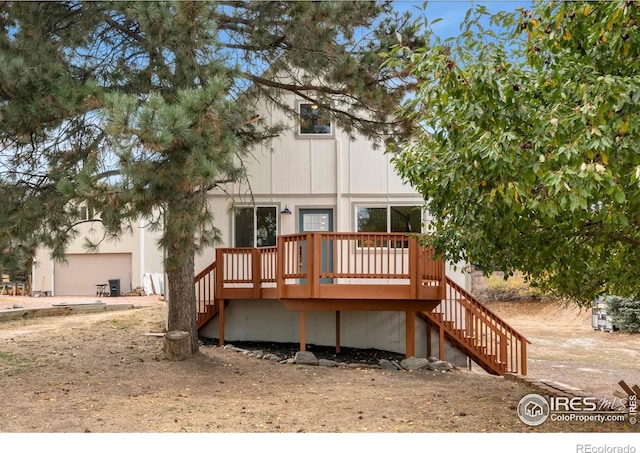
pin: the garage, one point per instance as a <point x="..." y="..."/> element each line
<point x="82" y="272"/>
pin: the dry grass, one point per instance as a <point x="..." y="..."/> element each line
<point x="100" y="373"/>
<point x="512" y="288"/>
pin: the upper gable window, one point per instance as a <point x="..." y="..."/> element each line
<point x="314" y="121"/>
<point x="85" y="213"/>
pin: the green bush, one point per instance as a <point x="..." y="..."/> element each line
<point x="513" y="288"/>
<point x="625" y="313"/>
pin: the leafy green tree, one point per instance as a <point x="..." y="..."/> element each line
<point x="141" y="108"/>
<point x="527" y="144"/>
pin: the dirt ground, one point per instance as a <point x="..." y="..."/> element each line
<point x="103" y="373"/>
<point x="565" y="348"/>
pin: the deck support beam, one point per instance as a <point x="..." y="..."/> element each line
<point x="303" y="330"/>
<point x="338" y="332"/>
<point x="410" y="329"/>
<point x="429" y="354"/>
<point x="221" y="321"/>
<point x="441" y="343"/>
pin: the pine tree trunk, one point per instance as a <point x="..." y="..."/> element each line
<point x="179" y="267"/>
<point x="182" y="301"/>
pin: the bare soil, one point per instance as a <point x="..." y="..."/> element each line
<point x="564" y="347"/>
<point x="103" y="373"/>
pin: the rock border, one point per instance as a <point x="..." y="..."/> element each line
<point x="309" y="358"/>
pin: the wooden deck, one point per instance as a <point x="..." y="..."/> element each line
<point x="341" y="270"/>
<point x="360" y="272"/>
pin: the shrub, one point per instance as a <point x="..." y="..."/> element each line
<point x="625" y="313"/>
<point x="513" y="288"/>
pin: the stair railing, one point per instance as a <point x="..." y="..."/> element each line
<point x="206" y="304"/>
<point x="480" y="330"/>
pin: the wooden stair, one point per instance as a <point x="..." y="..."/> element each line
<point x="207" y="305"/>
<point x="478" y="332"/>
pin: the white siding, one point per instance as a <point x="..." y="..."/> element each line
<point x="259" y="167"/>
<point x="292" y="167"/>
<point x="323" y="166"/>
<point x="367" y="169"/>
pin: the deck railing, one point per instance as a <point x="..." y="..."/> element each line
<point x="268" y="264"/>
<point x="480" y="331"/>
<point x="205" y="282"/>
<point x="245" y="273"/>
<point x="367" y="256"/>
<point x="349" y="265"/>
<point x="291" y="264"/>
<point x="317" y="265"/>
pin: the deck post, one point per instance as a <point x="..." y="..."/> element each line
<point x="221" y="321"/>
<point x="219" y="274"/>
<point x="441" y="342"/>
<point x="429" y="339"/>
<point x="503" y="351"/>
<point x="337" y="332"/>
<point x="443" y="277"/>
<point x="316" y="263"/>
<point x="281" y="244"/>
<point x="256" y="271"/>
<point x="413" y="268"/>
<point x="303" y="330"/>
<point x="410" y="329"/>
<point x="523" y="356"/>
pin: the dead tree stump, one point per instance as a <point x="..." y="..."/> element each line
<point x="177" y="345"/>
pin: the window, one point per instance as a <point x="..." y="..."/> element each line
<point x="85" y="213"/>
<point x="389" y="219"/>
<point x="256" y="226"/>
<point x="405" y="219"/>
<point x="315" y="222"/>
<point x="314" y="120"/>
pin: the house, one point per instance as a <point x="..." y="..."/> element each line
<point x="284" y="247"/>
<point x="309" y="182"/>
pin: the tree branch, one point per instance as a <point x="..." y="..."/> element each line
<point x="294" y="88"/>
<point x="124" y="30"/>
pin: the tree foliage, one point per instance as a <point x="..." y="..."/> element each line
<point x="625" y="313"/>
<point x="139" y="109"/>
<point x="527" y="150"/>
<point x="15" y="252"/>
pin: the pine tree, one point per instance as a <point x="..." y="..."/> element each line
<point x="141" y="108"/>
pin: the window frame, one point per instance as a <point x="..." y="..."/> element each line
<point x="300" y="134"/>
<point x="387" y="207"/>
<point x="86" y="213"/>
<point x="255" y="208"/>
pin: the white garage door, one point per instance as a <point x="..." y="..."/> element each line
<point x="82" y="272"/>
